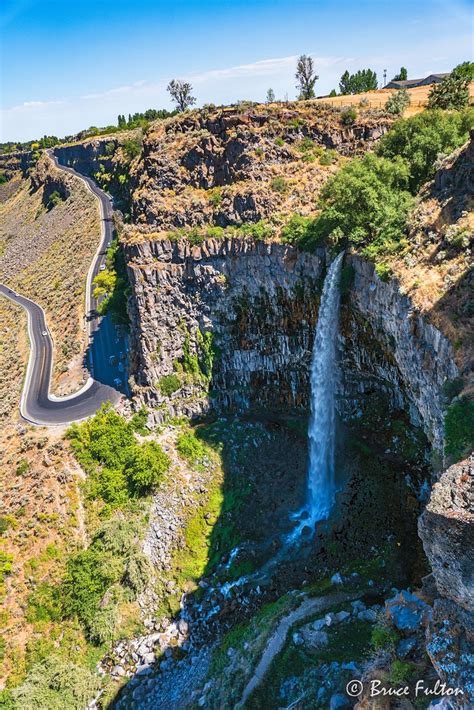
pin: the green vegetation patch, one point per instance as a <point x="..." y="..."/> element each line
<point x="459" y="429"/>
<point x="112" y="285"/>
<point x="421" y="139"/>
<point x="118" y="466"/>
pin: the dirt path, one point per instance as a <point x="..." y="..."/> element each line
<point x="275" y="643"/>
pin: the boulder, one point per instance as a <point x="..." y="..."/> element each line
<point x="407" y="612"/>
<point x="446" y="528"/>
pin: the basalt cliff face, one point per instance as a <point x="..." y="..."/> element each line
<point x="226" y="167"/>
<point x="233" y="322"/>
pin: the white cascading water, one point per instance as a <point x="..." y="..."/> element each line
<point x="322" y="427"/>
<point x="321" y="491"/>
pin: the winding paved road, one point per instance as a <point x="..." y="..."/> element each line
<point x="37" y="405"/>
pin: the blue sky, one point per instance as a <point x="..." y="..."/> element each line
<point x="69" y="64"/>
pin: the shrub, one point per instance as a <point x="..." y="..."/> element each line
<point x="139" y="421"/>
<point x="452" y="388"/>
<point x="459" y="428"/>
<point x="107" y="448"/>
<point x="383" y="271"/>
<point x="297" y="230"/>
<point x="401" y="671"/>
<point x="365" y="203"/>
<point x="305" y="145"/>
<point x="54" y="200"/>
<point x="23" y="467"/>
<point x="146" y="467"/>
<point x="257" y="230"/>
<point x="421" y="138"/>
<point x="132" y="147"/>
<point x="383" y="638"/>
<point x="451" y="93"/>
<point x="190" y="448"/>
<point x="44" y="604"/>
<point x="279" y="141"/>
<point x="348" y="116"/>
<point x="98" y="578"/>
<point x="328" y="157"/>
<point x="279" y="184"/>
<point x="215" y="233"/>
<point x="215" y="197"/>
<point x="169" y="384"/>
<point x="56" y="684"/>
<point x="397" y="102"/>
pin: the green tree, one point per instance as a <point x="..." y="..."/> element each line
<point x="363" y="80"/>
<point x="56" y="684"/>
<point x="451" y="93"/>
<point x="464" y="71"/>
<point x="104" y="283"/>
<point x="402" y="75"/>
<point x="332" y="93"/>
<point x="270" y="98"/>
<point x="420" y="139"/>
<point x="365" y="203"/>
<point x="345" y="83"/>
<point x="306" y="77"/>
<point x="180" y="92"/>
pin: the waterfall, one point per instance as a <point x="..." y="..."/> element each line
<point x="324" y="371"/>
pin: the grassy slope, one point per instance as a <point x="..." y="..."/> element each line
<point x="45" y="254"/>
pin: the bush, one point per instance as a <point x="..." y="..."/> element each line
<point x="169" y="384"/>
<point x="348" y="116"/>
<point x="383" y="638"/>
<point x="54" y="200"/>
<point x="401" y="672"/>
<point x="459" y="429"/>
<point x="297" y="230"/>
<point x="452" y="388"/>
<point x="107" y="448"/>
<point x="398" y="102"/>
<point x="23" y="467"/>
<point x="451" y="93"/>
<point x="146" y="467"/>
<point x="56" y="684"/>
<point x="257" y="230"/>
<point x="328" y="157"/>
<point x="279" y="184"/>
<point x="419" y="140"/>
<point x="132" y="147"/>
<point x="44" y="604"/>
<point x="383" y="271"/>
<point x="190" y="448"/>
<point x="365" y="203"/>
<point x="98" y="578"/>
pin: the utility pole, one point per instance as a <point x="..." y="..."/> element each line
<point x="384" y="77"/>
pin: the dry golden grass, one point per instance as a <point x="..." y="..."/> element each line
<point x="42" y="513"/>
<point x="378" y="99"/>
<point x="45" y="255"/>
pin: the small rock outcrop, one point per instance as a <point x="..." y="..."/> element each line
<point x="446" y="528"/>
